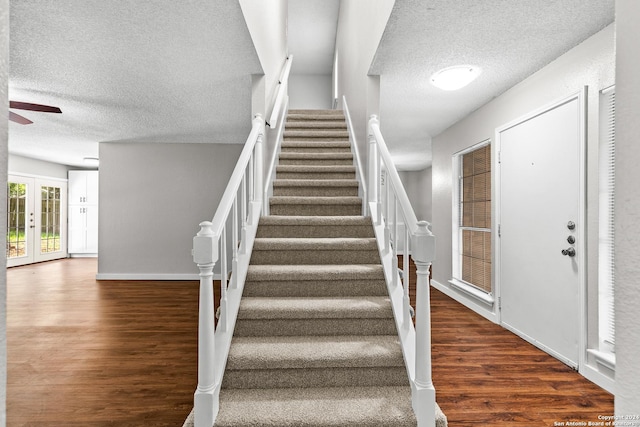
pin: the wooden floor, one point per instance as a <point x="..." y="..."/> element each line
<point x="88" y="353"/>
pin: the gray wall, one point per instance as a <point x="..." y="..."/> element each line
<point x="418" y="187"/>
<point x="592" y="63"/>
<point x="360" y="27"/>
<point x="152" y="198"/>
<point x="310" y="91"/>
<point x="627" y="208"/>
<point x="4" y="79"/>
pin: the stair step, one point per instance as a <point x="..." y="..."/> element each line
<point x="310" y="146"/>
<point x="321" y="159"/>
<point x="315" y="206"/>
<point x="315" y="361"/>
<point x="315" y="187"/>
<point x="300" y="352"/>
<point x="315" y="226"/>
<point x="326" y="123"/>
<point x="313" y="251"/>
<point x="315" y="281"/>
<point x="316" y="407"/>
<point x="366" y="315"/>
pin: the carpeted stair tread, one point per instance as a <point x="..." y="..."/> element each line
<point x="307" y="352"/>
<point x="315" y="244"/>
<point x="315" y="226"/>
<point x="320" y="200"/>
<point x="316" y="407"/>
<point x="316" y="221"/>
<point x="316" y="133"/>
<point x="367" y="307"/>
<point x="316" y="156"/>
<point x="295" y="143"/>
<point x="311" y="123"/>
<point x="314" y="169"/>
<point x="315" y="183"/>
<point x="280" y="273"/>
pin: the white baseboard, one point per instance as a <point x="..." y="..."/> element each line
<point x="150" y="276"/>
<point x="83" y="255"/>
<point x="598" y="378"/>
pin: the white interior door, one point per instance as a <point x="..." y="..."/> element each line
<point x="539" y="200"/>
<point x="36" y="220"/>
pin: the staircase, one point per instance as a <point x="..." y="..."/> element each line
<point x="315" y="342"/>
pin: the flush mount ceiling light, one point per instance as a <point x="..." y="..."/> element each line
<point x="454" y="78"/>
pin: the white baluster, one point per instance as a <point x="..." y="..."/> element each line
<point x="258" y="161"/>
<point x="374" y="178"/>
<point x="234" y="243"/>
<point x="243" y="214"/>
<point x="422" y="252"/>
<point x="387" y="219"/>
<point x="224" y="319"/>
<point x="394" y="239"/>
<point x="205" y="255"/>
<point x="406" y="322"/>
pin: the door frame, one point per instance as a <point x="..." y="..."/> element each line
<point x="34" y="202"/>
<point x="581" y="232"/>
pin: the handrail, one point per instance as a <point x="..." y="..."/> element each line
<point x="241" y="205"/>
<point x="282" y="89"/>
<point x="387" y="197"/>
<point x="354" y="149"/>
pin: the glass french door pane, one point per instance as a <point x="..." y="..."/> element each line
<point x="50" y="220"/>
<point x="16" y="219"/>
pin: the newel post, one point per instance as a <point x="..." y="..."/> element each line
<point x="423" y="253"/>
<point x="374" y="175"/>
<point x="205" y="255"/>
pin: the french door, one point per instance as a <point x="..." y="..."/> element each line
<point x="36" y="220"/>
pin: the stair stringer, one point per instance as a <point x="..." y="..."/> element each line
<point x="424" y="407"/>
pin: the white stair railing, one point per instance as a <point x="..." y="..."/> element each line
<point x="391" y="212"/>
<point x="362" y="184"/>
<point x="240" y="207"/>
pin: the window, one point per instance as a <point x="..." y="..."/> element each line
<point x="606" y="264"/>
<point x="472" y="221"/>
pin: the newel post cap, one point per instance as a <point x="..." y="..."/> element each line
<point x="205" y="245"/>
<point x="423" y="243"/>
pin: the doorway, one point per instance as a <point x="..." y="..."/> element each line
<point x="36" y="220"/>
<point x="541" y="228"/>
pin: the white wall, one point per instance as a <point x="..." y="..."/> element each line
<point x="627" y="209"/>
<point x="592" y="63"/>
<point x="267" y="24"/>
<point x="152" y="198"/>
<point x="418" y="187"/>
<point x="310" y="91"/>
<point x="25" y="165"/>
<point x="4" y="79"/>
<point x="360" y="27"/>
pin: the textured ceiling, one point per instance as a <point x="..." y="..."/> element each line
<point x="312" y="30"/>
<point x="508" y="39"/>
<point x="161" y="71"/>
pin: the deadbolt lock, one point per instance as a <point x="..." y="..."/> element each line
<point x="571" y="239"/>
<point x="571" y="225"/>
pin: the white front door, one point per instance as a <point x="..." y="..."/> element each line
<point x="539" y="214"/>
<point x="36" y="220"/>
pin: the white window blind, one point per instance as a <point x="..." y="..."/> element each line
<point x="606" y="274"/>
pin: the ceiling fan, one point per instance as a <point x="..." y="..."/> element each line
<point x="31" y="107"/>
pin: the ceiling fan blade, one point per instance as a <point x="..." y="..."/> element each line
<point x="34" y="107"/>
<point x="19" y="119"/>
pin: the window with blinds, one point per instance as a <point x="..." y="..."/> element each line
<point x="474" y="227"/>
<point x="606" y="264"/>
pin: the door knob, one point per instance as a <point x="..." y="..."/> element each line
<point x="569" y="252"/>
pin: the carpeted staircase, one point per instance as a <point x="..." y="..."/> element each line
<point x="315" y="343"/>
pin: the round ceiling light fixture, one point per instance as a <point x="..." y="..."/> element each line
<point x="456" y="77"/>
